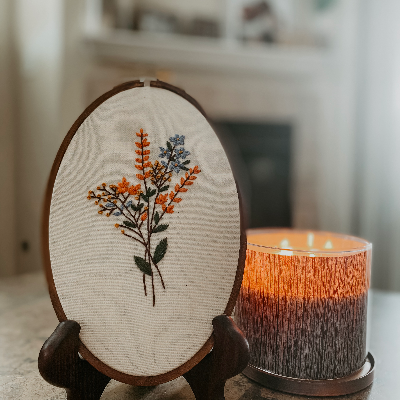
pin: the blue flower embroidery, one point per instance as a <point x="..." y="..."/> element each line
<point x="164" y="153"/>
<point x="181" y="153"/>
<point x="164" y="163"/>
<point x="177" y="140"/>
<point x="120" y="210"/>
<point x="175" y="166"/>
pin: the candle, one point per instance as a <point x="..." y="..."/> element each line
<point x="303" y="303"/>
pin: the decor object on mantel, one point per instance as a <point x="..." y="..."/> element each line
<point x="144" y="248"/>
<point x="303" y="309"/>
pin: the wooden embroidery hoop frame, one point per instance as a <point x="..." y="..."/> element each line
<point x="86" y="354"/>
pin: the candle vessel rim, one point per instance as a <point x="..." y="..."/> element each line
<point x="364" y="244"/>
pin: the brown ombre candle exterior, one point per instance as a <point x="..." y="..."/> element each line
<point x="303" y="302"/>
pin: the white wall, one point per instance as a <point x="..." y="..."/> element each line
<point x="338" y="141"/>
<point x="379" y="139"/>
<point x="46" y="81"/>
<point x="7" y="145"/>
<point x="38" y="32"/>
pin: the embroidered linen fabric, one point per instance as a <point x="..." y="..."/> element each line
<point x="95" y="275"/>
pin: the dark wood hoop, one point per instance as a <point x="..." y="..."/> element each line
<point x="94" y="361"/>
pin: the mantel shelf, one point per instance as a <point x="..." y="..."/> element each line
<point x="178" y="51"/>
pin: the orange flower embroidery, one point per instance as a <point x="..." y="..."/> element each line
<point x="161" y="198"/>
<point x="134" y="189"/>
<point x="168" y="209"/>
<point x="123" y="186"/>
<point x="141" y="134"/>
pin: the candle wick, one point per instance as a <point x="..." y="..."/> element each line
<point x="310" y="239"/>
<point x="285" y="243"/>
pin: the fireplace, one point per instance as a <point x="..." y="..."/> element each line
<point x="259" y="153"/>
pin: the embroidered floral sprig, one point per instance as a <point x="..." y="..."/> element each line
<point x="141" y="207"/>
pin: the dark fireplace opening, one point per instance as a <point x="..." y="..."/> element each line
<point x="260" y="154"/>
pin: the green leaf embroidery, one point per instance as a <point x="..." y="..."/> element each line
<point x="139" y="207"/>
<point x="160" y="251"/>
<point x="151" y="192"/>
<point x="160" y="228"/>
<point x="156" y="217"/>
<point x="144" y="197"/>
<point x="130" y="224"/>
<point x="184" y="168"/>
<point x="143" y="265"/>
<point x="164" y="188"/>
<point x="169" y="146"/>
<point x="186" y="162"/>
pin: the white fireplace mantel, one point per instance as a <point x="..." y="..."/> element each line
<point x="216" y="55"/>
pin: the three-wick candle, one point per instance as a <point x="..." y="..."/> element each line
<point x="303" y="302"/>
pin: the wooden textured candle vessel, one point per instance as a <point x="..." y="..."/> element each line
<point x="303" y="309"/>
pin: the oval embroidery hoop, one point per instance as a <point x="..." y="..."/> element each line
<point x="61" y="315"/>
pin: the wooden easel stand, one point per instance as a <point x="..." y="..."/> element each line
<point x="61" y="366"/>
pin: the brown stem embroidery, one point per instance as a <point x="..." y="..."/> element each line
<point x="141" y="209"/>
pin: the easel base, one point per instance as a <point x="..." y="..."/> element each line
<point x="60" y="364"/>
<point x="307" y="387"/>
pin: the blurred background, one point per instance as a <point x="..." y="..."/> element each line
<point x="304" y="93"/>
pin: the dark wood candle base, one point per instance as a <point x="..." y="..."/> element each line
<point x="351" y="383"/>
<point x="61" y="366"/>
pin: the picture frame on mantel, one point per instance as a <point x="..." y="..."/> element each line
<point x="144" y="248"/>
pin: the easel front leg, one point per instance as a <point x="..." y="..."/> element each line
<point x="228" y="358"/>
<point x="60" y="365"/>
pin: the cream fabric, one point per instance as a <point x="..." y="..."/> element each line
<point x="96" y="278"/>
